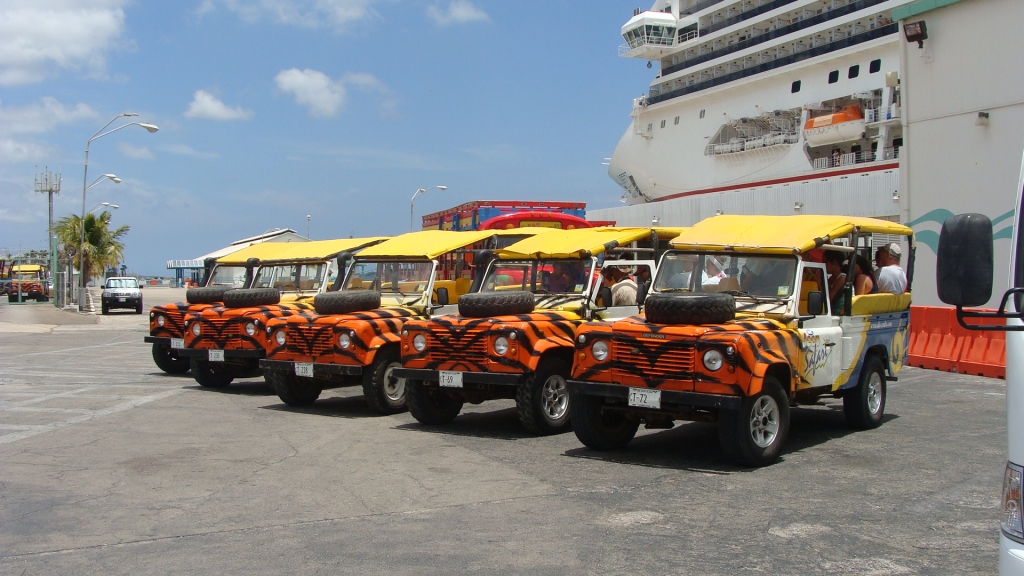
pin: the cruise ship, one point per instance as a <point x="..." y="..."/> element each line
<point x="761" y="106"/>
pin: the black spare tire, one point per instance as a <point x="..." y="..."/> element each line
<point x="346" y="302"/>
<point x="211" y="295"/>
<point x="244" y="298"/>
<point x="487" y="304"/>
<point x="699" y="308"/>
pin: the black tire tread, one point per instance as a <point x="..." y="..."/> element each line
<point x="733" y="429"/>
<point x="373" y="383"/>
<point x="166" y="361"/>
<point x="692" y="308"/>
<point x="292" y="390"/>
<point x="855" y="406"/>
<point x="593" y="430"/>
<point x="423" y="406"/>
<point x="207" y="377"/>
<point x="488" y="304"/>
<point x="208" y="295"/>
<point x="527" y="398"/>
<point x="346" y="302"/>
<point x="248" y="297"/>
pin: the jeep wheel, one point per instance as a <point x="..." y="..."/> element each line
<point x="246" y="298"/>
<point x="754" y="434"/>
<point x="209" y="376"/>
<point x="346" y="302"/>
<point x="692" y="308"/>
<point x="291" y="389"/>
<point x="210" y="295"/>
<point x="430" y="404"/>
<point x="543" y="400"/>
<point x="382" y="394"/>
<point x="597" y="429"/>
<point x="864" y="404"/>
<point x="488" y="304"/>
<point x="168" y="361"/>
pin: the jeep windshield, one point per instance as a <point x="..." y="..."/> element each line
<point x="389" y="277"/>
<point x="291" y="277"/>
<point x="756" y="277"/>
<point x="230" y="276"/>
<point x="567" y="277"/>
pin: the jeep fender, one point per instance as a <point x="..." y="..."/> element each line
<point x="545" y="346"/>
<point x="380" y="341"/>
<point x="782" y="370"/>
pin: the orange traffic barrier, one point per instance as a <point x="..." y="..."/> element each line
<point x="938" y="342"/>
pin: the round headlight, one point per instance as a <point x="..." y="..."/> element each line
<point x="250" y="329"/>
<point x="419" y="342"/>
<point x="196" y="329"/>
<point x="344" y="340"/>
<point x="712" y="360"/>
<point x="599" y="349"/>
<point x="500" y="345"/>
<point x="279" y="338"/>
<point x="160" y="320"/>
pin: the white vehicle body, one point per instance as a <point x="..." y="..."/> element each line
<point x="1011" y="548"/>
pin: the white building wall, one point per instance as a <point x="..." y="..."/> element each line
<point x="970" y="63"/>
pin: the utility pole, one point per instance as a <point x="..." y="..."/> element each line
<point x="49" y="183"/>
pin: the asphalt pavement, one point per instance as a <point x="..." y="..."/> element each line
<point x="108" y="466"/>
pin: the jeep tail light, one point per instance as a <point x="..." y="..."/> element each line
<point x="1012" y="502"/>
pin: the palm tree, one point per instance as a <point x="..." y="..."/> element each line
<point x="102" y="248"/>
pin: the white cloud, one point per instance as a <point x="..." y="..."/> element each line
<point x="206" y="105"/>
<point x="324" y="97"/>
<point x="137" y="152"/>
<point x="43" y="116"/>
<point x="320" y="95"/>
<point x="304" y="13"/>
<point x="36" y="35"/>
<point x="458" y="12"/>
<point x="12" y="151"/>
<point x="185" y="150"/>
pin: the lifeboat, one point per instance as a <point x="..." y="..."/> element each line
<point x="844" y="126"/>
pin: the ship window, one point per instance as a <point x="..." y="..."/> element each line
<point x="662" y="123"/>
<point x="796" y="87"/>
<point x="876" y="65"/>
<point x="676" y="121"/>
<point x="854" y="71"/>
<point x="833" y="77"/>
<point x="701" y="113"/>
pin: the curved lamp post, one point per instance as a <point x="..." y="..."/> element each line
<point x="412" y="220"/>
<point x="85" y="178"/>
<point x="104" y="205"/>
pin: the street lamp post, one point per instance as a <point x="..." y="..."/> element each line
<point x="412" y="220"/>
<point x="85" y="178"/>
<point x="81" y="250"/>
<point x="104" y="205"/>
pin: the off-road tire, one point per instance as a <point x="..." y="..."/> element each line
<point x="249" y="297"/>
<point x="429" y="404"/>
<point x="488" y="304"/>
<point x="702" y="308"/>
<point x="864" y="404"/>
<point x="209" y="295"/>
<point x="380" y="395"/>
<point x="542" y="401"/>
<point x="167" y="361"/>
<point x="291" y="389"/>
<point x="611" y="430"/>
<point x="209" y="376"/>
<point x="346" y="302"/>
<point x="737" y="428"/>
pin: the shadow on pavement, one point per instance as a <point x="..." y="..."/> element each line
<point x="240" y="388"/>
<point x="498" y="425"/>
<point x="331" y="407"/>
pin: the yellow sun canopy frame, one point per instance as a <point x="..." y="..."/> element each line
<point x="779" y="234"/>
<point x="580" y="242"/>
<point x="429" y="244"/>
<point x="288" y="252"/>
<point x="26" y="268"/>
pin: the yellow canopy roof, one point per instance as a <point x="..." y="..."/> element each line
<point x="580" y="242"/>
<point x="779" y="234"/>
<point x="26" y="268"/>
<point x="279" y="252"/>
<point x="428" y="244"/>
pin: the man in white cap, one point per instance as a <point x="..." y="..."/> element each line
<point x="891" y="278"/>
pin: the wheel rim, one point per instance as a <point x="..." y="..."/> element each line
<point x="554" y="397"/>
<point x="874" y="393"/>
<point x="764" y="421"/>
<point x="394" y="389"/>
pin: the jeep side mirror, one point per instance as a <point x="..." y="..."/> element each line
<point x="963" y="273"/>
<point x="641" y="293"/>
<point x="605" y="296"/>
<point x="815" y="303"/>
<point x="442" y="296"/>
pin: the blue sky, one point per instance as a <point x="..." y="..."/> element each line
<point x="273" y="109"/>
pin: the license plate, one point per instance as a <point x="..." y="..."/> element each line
<point x="644" y="398"/>
<point x="304" y="369"/>
<point x="216" y="356"/>
<point x="177" y="343"/>
<point x="120" y="299"/>
<point x="449" y="379"/>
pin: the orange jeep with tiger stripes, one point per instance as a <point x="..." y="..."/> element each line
<point x="514" y="339"/>
<point x="351" y="337"/>
<point x="225" y="342"/>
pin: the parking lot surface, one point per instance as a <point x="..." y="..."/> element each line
<point x="108" y="466"/>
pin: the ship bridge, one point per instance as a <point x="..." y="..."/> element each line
<point x="650" y="34"/>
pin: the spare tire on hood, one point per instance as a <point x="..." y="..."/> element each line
<point x="690" y="308"/>
<point x="487" y="304"/>
<point x="346" y="302"/>
<point x="210" y="295"/>
<point x="245" y="298"/>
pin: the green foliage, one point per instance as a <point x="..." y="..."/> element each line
<point x="102" y="248"/>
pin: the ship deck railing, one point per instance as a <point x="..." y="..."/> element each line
<point x="852" y="158"/>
